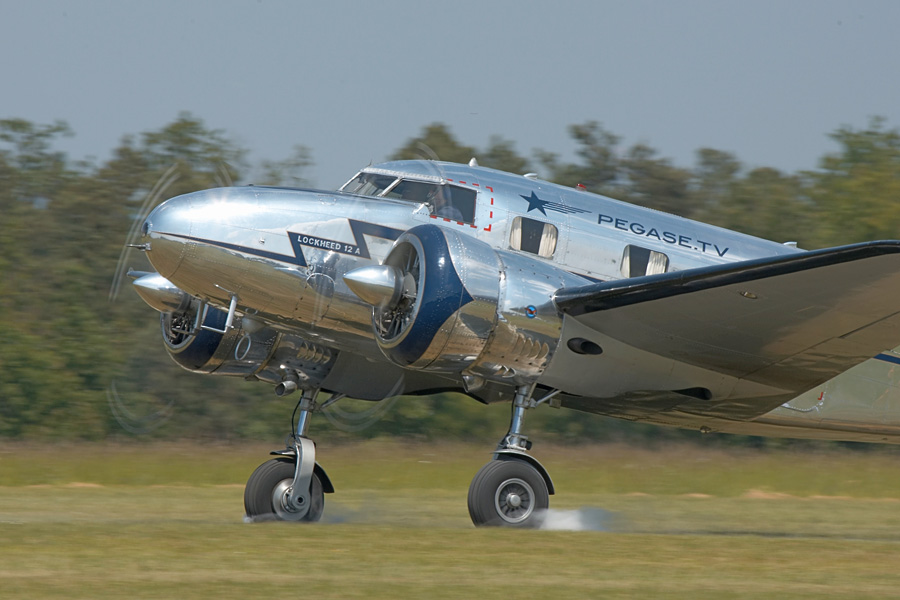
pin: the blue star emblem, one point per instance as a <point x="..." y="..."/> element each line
<point x="544" y="205"/>
<point x="535" y="203"/>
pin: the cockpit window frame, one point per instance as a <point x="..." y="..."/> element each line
<point x="344" y="189"/>
<point x="459" y="202"/>
<point x="384" y="193"/>
<point x="396" y="175"/>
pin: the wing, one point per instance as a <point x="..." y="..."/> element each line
<point x="791" y="321"/>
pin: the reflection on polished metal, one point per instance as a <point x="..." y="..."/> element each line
<point x="160" y="294"/>
<point x="298" y="499"/>
<point x="378" y="285"/>
<point x="514" y="439"/>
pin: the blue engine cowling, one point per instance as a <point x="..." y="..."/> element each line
<point x="194" y="339"/>
<point x="475" y="310"/>
<point x="446" y="322"/>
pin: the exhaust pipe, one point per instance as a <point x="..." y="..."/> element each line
<point x="285" y="387"/>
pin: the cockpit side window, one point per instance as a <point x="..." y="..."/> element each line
<point x="413" y="191"/>
<point x="459" y="201"/>
<point x="446" y="201"/>
<point x="368" y="184"/>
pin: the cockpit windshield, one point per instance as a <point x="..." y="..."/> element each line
<point x="413" y="191"/>
<point x="368" y="184"/>
<point x="448" y="201"/>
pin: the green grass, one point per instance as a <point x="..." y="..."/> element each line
<point x="164" y="521"/>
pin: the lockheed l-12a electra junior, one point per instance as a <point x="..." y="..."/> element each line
<point x="419" y="277"/>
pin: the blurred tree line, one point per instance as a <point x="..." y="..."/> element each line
<point x="81" y="356"/>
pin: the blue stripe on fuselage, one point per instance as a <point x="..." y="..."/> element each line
<point x="360" y="229"/>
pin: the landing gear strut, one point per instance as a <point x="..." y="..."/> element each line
<point x="292" y="486"/>
<point x="513" y="490"/>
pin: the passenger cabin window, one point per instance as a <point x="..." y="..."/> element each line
<point x="537" y="237"/>
<point x="637" y="262"/>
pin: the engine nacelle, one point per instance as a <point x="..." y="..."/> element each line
<point x="444" y="316"/>
<point x="194" y="339"/>
<point x="460" y="306"/>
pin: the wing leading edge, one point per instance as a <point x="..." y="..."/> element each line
<point x="790" y="321"/>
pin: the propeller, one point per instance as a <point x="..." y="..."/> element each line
<point x="393" y="320"/>
<point x="162" y="184"/>
<point x="391" y="288"/>
<point x="135" y="412"/>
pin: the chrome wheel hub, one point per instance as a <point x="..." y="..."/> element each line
<point x="514" y="500"/>
<point x="284" y="508"/>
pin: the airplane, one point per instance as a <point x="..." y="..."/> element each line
<point x="418" y="277"/>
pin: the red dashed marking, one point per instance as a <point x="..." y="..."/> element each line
<point x="489" y="227"/>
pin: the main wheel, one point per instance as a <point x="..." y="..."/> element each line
<point x="267" y="489"/>
<point x="508" y="493"/>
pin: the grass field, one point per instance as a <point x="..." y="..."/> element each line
<point x="166" y="521"/>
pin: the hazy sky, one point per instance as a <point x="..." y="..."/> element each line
<point x="767" y="80"/>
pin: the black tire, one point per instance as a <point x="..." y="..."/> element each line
<point x="508" y="493"/>
<point x="262" y="496"/>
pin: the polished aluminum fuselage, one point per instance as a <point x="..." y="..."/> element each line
<point x="283" y="254"/>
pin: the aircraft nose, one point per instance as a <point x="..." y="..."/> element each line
<point x="167" y="231"/>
